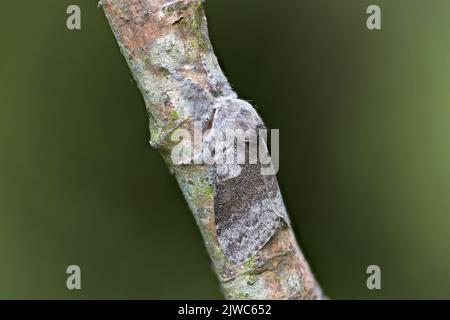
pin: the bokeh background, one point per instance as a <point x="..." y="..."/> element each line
<point x="365" y="149"/>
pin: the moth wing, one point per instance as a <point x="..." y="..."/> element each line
<point x="247" y="204"/>
<point x="248" y="210"/>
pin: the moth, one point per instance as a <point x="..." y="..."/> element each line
<point x="248" y="205"/>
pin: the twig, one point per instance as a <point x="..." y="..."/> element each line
<point x="167" y="47"/>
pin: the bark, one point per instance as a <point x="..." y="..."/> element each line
<point x="166" y="43"/>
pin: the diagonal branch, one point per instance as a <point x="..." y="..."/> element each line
<point x="167" y="47"/>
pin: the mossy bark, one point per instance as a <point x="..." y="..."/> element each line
<point x="166" y="42"/>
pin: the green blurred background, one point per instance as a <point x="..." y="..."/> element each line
<point x="365" y="149"/>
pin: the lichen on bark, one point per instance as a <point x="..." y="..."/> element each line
<point x="167" y="47"/>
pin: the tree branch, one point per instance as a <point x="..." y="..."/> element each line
<point x="167" y="47"/>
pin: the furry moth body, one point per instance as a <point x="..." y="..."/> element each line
<point x="248" y="206"/>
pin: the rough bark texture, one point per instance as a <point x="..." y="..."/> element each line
<point x="167" y="47"/>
